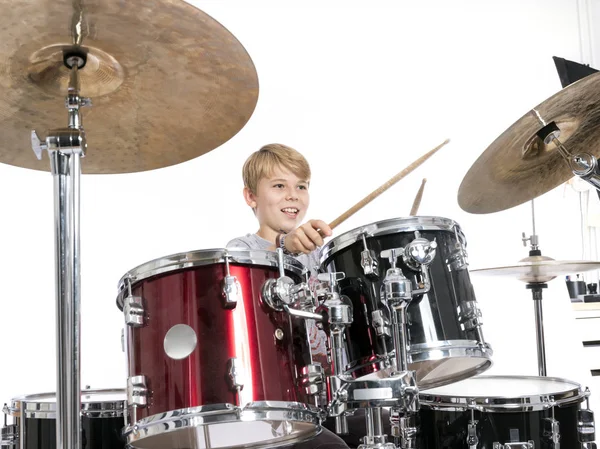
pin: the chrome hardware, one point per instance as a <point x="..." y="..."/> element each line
<point x="339" y="311"/>
<point x="551" y="432"/>
<point x="133" y="307"/>
<point x="9" y="436"/>
<point x="529" y="445"/>
<point x="419" y="252"/>
<point x="231" y="288"/>
<point x="408" y="432"/>
<point x="380" y="323"/>
<point x="469" y="315"/>
<point x="137" y="391"/>
<point x="375" y="438"/>
<point x="458" y="259"/>
<point x="398" y="390"/>
<point x="123" y="339"/>
<point x="311" y="378"/>
<point x="368" y="261"/>
<point x="282" y="294"/>
<point x="279" y="334"/>
<point x="586" y="427"/>
<point x="397" y="291"/>
<point x="235" y="374"/>
<point x="472" y="440"/>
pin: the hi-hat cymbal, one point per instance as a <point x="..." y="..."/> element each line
<point x="536" y="269"/>
<point x="168" y="83"/>
<point x="519" y="166"/>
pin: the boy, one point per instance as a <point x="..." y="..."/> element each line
<point x="276" y="181"/>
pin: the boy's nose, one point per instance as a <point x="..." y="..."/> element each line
<point x="292" y="196"/>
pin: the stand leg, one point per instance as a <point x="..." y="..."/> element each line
<point x="66" y="170"/>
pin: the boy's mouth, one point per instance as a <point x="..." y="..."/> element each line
<point x="291" y="212"/>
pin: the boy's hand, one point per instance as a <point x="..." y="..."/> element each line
<point x="306" y="238"/>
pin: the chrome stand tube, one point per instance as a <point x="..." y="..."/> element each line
<point x="66" y="170"/>
<point x="536" y="291"/>
<point x="66" y="147"/>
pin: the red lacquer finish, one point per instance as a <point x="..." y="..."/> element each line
<point x="247" y="332"/>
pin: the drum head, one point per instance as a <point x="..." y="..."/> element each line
<point x="504" y="393"/>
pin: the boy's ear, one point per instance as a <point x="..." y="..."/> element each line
<point x="249" y="197"/>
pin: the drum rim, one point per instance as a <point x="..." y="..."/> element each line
<point x="532" y="402"/>
<point x="443" y="349"/>
<point x="35" y="408"/>
<point x="202" y="257"/>
<point x="226" y="413"/>
<point x="384" y="227"/>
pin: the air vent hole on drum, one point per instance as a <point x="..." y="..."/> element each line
<point x="180" y="341"/>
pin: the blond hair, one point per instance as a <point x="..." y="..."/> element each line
<point x="261" y="164"/>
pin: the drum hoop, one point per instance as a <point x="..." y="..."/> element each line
<point x="385" y="227"/>
<point x="33" y="407"/>
<point x="534" y="402"/>
<point x="162" y="423"/>
<point x="203" y="257"/>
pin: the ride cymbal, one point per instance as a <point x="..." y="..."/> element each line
<point x="518" y="166"/>
<point x="167" y="82"/>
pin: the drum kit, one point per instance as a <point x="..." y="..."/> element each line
<point x="216" y="341"/>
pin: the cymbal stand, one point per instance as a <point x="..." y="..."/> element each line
<point x="583" y="165"/>
<point x="397" y="292"/>
<point x="536" y="291"/>
<point x="66" y="147"/>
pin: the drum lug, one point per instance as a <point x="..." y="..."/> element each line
<point x="235" y="374"/>
<point x="529" y="445"/>
<point x="380" y="323"/>
<point x="231" y="288"/>
<point x="472" y="440"/>
<point x="133" y="308"/>
<point x="469" y="315"/>
<point x="551" y="432"/>
<point x="458" y="259"/>
<point x="137" y="391"/>
<point x="586" y="428"/>
<point x="311" y="378"/>
<point x="368" y="261"/>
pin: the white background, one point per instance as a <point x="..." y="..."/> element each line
<point x="361" y="89"/>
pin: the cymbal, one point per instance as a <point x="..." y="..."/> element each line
<point x="536" y="269"/>
<point x="518" y="166"/>
<point x="168" y="83"/>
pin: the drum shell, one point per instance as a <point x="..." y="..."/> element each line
<point x="272" y="348"/>
<point x="435" y="319"/>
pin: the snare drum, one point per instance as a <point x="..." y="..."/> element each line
<point x="35" y="421"/>
<point x="209" y="363"/>
<point x="502" y="412"/>
<point x="444" y="330"/>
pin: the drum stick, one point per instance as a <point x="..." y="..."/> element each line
<point x="417" y="202"/>
<point x="371" y="196"/>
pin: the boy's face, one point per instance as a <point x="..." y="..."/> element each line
<point x="280" y="201"/>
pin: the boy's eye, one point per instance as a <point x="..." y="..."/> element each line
<point x="278" y="186"/>
<point x="303" y="187"/>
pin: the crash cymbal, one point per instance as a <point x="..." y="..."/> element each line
<point x="168" y="83"/>
<point x="519" y="166"/>
<point x="536" y="269"/>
